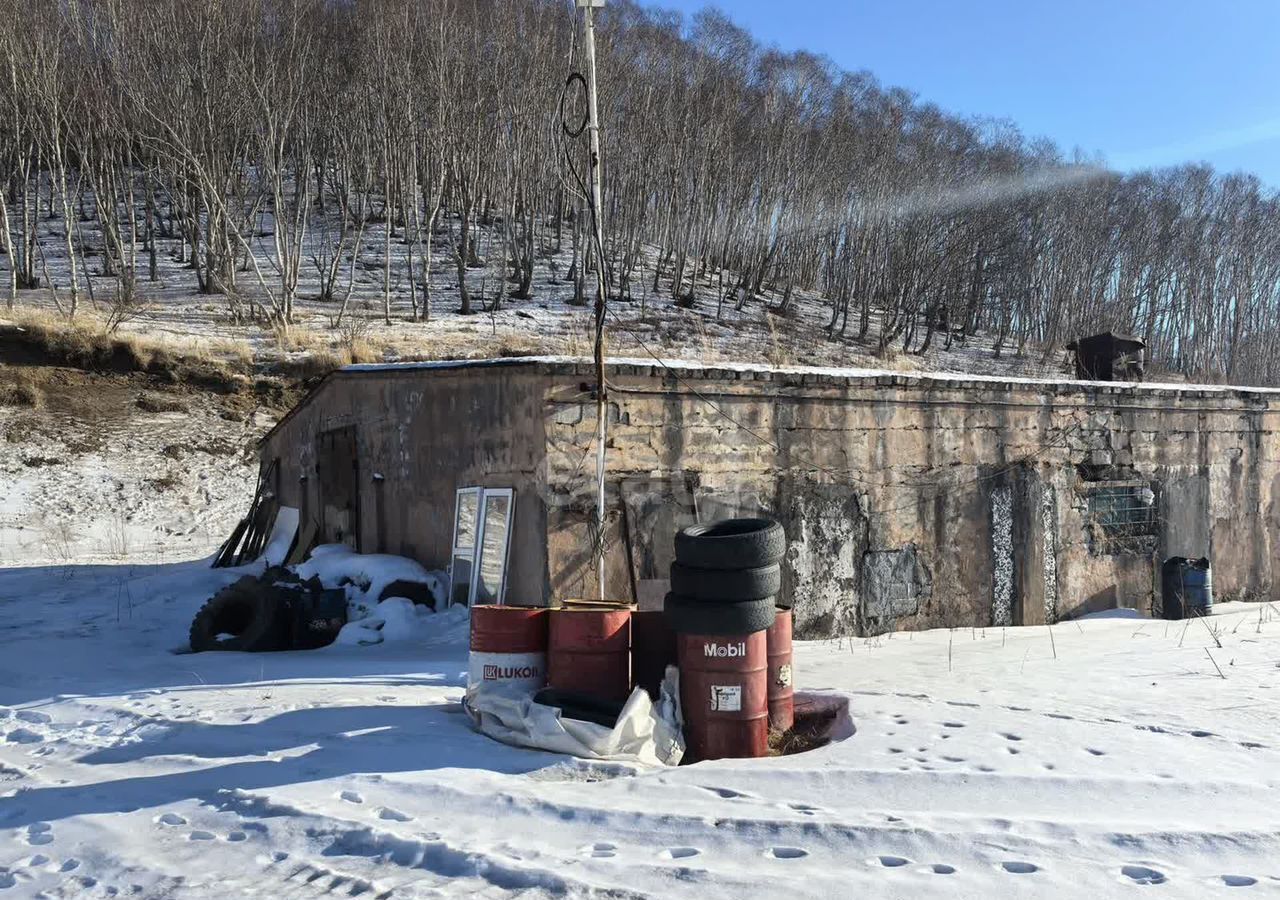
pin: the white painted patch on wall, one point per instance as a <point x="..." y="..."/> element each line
<point x="1049" y="525"/>
<point x="1002" y="555"/>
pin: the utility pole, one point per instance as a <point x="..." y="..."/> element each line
<point x="597" y="219"/>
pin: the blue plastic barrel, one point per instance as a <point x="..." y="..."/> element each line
<point x="1186" y="587"/>
<point x="1197" y="588"/>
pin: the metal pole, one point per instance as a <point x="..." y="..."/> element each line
<point x="597" y="217"/>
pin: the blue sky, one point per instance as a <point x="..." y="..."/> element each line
<point x="1142" y="82"/>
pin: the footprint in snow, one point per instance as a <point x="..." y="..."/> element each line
<point x="786" y="853"/>
<point x="1019" y="868"/>
<point x="236" y="837"/>
<point x="1143" y="875"/>
<point x="1008" y="736"/>
<point x="600" y="850"/>
<point x="952" y="724"/>
<point x="1238" y="880"/>
<point x="23" y="736"/>
<point x="39" y="833"/>
<point x="726" y="793"/>
<point x="1096" y="752"/>
<point x="33" y="717"/>
<point x="890" y="862"/>
<point x="941" y="869"/>
<point x="170" y="818"/>
<point x="680" y="853"/>
<point x="393" y="815"/>
<point x="69" y="865"/>
<point x="7" y="880"/>
<point x="351" y="797"/>
<point x="201" y="836"/>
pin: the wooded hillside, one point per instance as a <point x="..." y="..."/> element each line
<point x="270" y="135"/>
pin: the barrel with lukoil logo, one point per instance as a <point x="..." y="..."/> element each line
<point x="724" y="694"/>
<point x="508" y="647"/>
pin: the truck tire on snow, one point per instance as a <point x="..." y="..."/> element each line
<point x="688" y="616"/>
<point x="731" y="544"/>
<point x="725" y="584"/>
<point x="242" y="617"/>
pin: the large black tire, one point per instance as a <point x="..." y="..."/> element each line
<point x="254" y="618"/>
<point x="725" y="584"/>
<point x="416" y="591"/>
<point x="731" y="544"/>
<point x="687" y="616"/>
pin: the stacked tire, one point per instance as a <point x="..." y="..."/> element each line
<point x="727" y="577"/>
<point x="724" y="586"/>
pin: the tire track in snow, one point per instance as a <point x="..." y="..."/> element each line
<point x="426" y="852"/>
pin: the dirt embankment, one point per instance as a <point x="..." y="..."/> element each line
<point x="111" y="448"/>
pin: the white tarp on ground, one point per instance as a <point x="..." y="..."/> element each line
<point x="646" y="732"/>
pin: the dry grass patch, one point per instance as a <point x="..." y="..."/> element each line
<point x="23" y="392"/>
<point x="48" y="339"/>
<point x="86" y="342"/>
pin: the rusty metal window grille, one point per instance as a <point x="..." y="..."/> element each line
<point x="1122" y="518"/>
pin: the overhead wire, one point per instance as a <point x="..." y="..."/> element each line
<point x="570" y="132"/>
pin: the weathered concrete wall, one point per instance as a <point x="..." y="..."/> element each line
<point x="916" y="502"/>
<point x="909" y="501"/>
<point x="427" y="433"/>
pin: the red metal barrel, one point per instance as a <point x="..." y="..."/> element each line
<point x="724" y="694"/>
<point x="508" y="646"/>
<point x="589" y="651"/>
<point x="653" y="648"/>
<point x="778" y="640"/>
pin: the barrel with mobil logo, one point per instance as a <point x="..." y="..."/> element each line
<point x="724" y="694"/>
<point x="725" y="591"/>
<point x="508" y="647"/>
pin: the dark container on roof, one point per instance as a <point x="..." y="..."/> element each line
<point x="1109" y="357"/>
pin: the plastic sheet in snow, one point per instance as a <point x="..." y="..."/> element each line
<point x="646" y="732"/>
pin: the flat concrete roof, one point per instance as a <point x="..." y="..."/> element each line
<point x="795" y="376"/>
<point x="737" y="371"/>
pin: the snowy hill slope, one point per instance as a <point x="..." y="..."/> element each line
<point x="1089" y="760"/>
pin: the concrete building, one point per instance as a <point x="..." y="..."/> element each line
<point x="910" y="500"/>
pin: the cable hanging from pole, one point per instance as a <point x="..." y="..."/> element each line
<point x="592" y="193"/>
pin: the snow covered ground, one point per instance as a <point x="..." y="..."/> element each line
<point x="92" y="476"/>
<point x="1104" y="758"/>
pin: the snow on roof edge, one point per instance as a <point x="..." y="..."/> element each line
<point x="851" y="374"/>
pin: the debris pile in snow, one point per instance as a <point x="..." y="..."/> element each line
<point x="400" y="620"/>
<point x="366" y="577"/>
